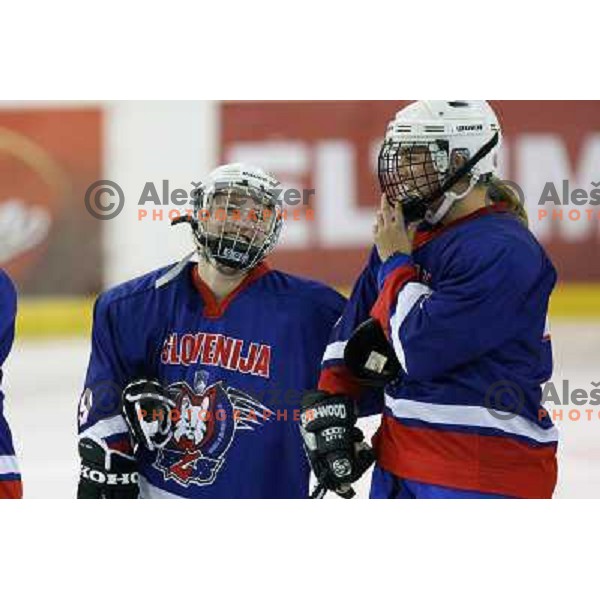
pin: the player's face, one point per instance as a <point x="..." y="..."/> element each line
<point x="417" y="173"/>
<point x="237" y="216"/>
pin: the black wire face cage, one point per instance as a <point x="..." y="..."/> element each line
<point x="237" y="225"/>
<point x="412" y="173"/>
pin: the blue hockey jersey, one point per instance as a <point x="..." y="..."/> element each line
<point x="10" y="478"/>
<point x="335" y="377"/>
<point x="466" y="315"/>
<point x="236" y="368"/>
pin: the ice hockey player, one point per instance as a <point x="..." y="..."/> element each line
<point x="457" y="291"/>
<point x="197" y="370"/>
<point x="10" y="477"/>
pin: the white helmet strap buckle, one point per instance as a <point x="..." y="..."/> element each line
<point x="449" y="199"/>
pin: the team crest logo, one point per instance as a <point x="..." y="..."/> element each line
<point x="204" y="424"/>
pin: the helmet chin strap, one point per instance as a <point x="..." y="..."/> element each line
<point x="223" y="268"/>
<point x="450" y="198"/>
<point x="433" y="217"/>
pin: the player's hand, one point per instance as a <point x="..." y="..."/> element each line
<point x="147" y="410"/>
<point x="105" y="473"/>
<point x="370" y="357"/>
<point x="390" y="232"/>
<point x="335" y="447"/>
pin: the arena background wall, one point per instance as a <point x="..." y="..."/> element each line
<point x="51" y="153"/>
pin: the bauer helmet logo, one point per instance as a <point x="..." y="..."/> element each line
<point x="469" y="128"/>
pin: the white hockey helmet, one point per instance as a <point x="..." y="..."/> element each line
<point x="417" y="161"/>
<point x="242" y="237"/>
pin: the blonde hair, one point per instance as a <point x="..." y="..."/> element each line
<point x="499" y="191"/>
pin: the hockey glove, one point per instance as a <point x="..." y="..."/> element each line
<point x="147" y="408"/>
<point x="105" y="473"/>
<point x="335" y="447"/>
<point x="370" y="357"/>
